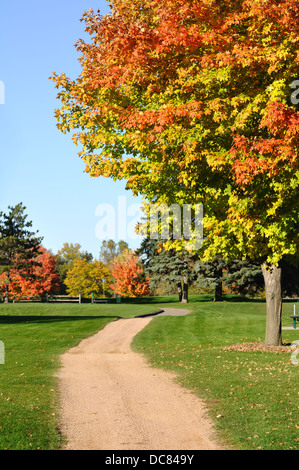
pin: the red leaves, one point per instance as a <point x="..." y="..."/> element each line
<point x="44" y="278"/>
<point x="127" y="274"/>
<point x="281" y="121"/>
<point x="170" y="78"/>
<point x="268" y="156"/>
<point x="255" y="157"/>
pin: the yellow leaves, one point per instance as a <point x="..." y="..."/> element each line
<point x="60" y="80"/>
<point x="187" y="94"/>
<point x="86" y="278"/>
<point x="216" y="160"/>
<point x="278" y="91"/>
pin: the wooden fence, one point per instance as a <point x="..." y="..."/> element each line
<point x="68" y="298"/>
<point x="52" y="298"/>
<point x="64" y="298"/>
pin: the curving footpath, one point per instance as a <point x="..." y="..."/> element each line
<point x="111" y="399"/>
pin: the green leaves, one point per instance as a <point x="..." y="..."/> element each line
<point x="18" y="245"/>
<point x="189" y="102"/>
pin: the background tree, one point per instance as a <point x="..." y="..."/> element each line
<point x="110" y="250"/>
<point x="19" y="247"/>
<point x="65" y="258"/>
<point x="174" y="267"/>
<point x="42" y="278"/>
<point x="129" y="279"/>
<point x="212" y="275"/>
<point x="289" y="278"/>
<point x="86" y="278"/>
<point x="190" y="103"/>
<point x="244" y="277"/>
<point x="238" y="276"/>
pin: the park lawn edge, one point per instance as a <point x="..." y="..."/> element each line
<point x="229" y="430"/>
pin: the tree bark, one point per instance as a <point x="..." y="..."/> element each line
<point x="7" y="288"/>
<point x="218" y="289"/>
<point x="179" y="286"/>
<point x="185" y="299"/>
<point x="218" y="293"/>
<point x="272" y="277"/>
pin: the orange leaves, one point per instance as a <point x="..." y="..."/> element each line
<point x="268" y="156"/>
<point x="43" y="278"/>
<point x="187" y="100"/>
<point x="158" y="120"/>
<point x="281" y="121"/>
<point x="248" y="159"/>
<point x="127" y="273"/>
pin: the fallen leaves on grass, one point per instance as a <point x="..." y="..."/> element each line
<point x="285" y="348"/>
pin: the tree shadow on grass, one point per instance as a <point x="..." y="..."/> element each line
<point x="14" y="319"/>
<point x="192" y="299"/>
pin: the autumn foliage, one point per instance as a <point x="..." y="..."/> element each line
<point x="42" y="278"/>
<point x="189" y="102"/>
<point x="88" y="277"/>
<point x="128" y="276"/>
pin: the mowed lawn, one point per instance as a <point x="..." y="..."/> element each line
<point x="35" y="335"/>
<point x="253" y="397"/>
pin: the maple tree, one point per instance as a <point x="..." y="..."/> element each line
<point x="127" y="272"/>
<point x="65" y="259"/>
<point x="41" y="279"/>
<point x="86" y="278"/>
<point x="189" y="102"/>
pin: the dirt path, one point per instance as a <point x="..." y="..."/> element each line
<point x="111" y="399"/>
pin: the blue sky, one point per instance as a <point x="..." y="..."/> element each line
<point x="39" y="165"/>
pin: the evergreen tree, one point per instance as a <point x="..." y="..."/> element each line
<point x="19" y="247"/>
<point x="290" y="278"/>
<point x="177" y="268"/>
<point x="241" y="276"/>
<point x="244" y="276"/>
<point x="211" y="274"/>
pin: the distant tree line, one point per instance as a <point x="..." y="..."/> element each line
<point x="27" y="269"/>
<point x="182" y="272"/>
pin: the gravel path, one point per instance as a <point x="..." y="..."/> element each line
<point x="111" y="399"/>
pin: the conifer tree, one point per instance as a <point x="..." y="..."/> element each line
<point x="177" y="267"/>
<point x="19" y="247"/>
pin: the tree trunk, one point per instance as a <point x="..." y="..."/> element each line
<point x="272" y="277"/>
<point x="7" y="288"/>
<point x="218" y="289"/>
<point x="179" y="286"/>
<point x="185" y="299"/>
<point x="218" y="293"/>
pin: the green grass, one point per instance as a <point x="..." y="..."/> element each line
<point x="35" y="335"/>
<point x="252" y="396"/>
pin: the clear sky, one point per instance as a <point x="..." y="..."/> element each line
<point x="39" y="165"/>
